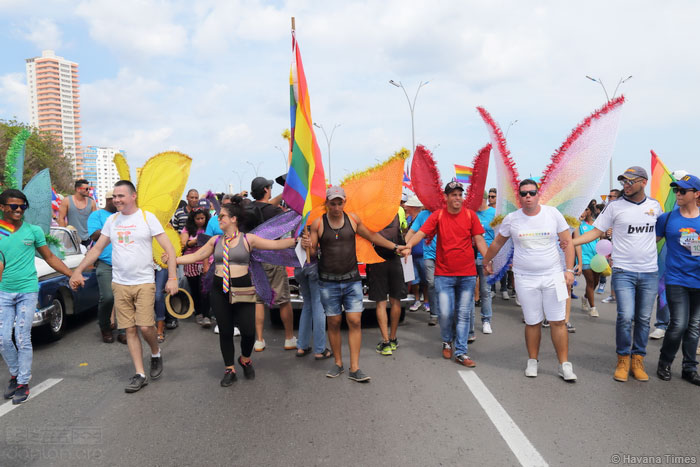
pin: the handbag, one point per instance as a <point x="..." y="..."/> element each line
<point x="241" y="294"/>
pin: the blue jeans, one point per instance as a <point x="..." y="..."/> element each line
<point x="312" y="316"/>
<point x="17" y="311"/>
<point x="161" y="280"/>
<point x="484" y="296"/>
<point x="418" y="271"/>
<point x="456" y="298"/>
<point x="337" y="297"/>
<point x="663" y="315"/>
<point x="429" y="265"/>
<point x="684" y="327"/>
<point x="635" y="292"/>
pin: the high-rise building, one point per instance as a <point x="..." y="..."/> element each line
<point x="54" y="103"/>
<point x="100" y="171"/>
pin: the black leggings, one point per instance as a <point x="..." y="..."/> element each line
<point x="201" y="301"/>
<point x="229" y="315"/>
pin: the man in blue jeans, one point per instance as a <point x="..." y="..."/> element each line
<point x="632" y="219"/>
<point x="455" y="269"/>
<point x="486" y="215"/>
<point x="313" y="319"/>
<point x="428" y="265"/>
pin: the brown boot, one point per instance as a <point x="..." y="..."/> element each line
<point x="623" y="368"/>
<point x="160" y="331"/>
<point x="638" y="368"/>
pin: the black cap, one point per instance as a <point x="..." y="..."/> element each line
<point x="452" y="186"/>
<point x="259" y="183"/>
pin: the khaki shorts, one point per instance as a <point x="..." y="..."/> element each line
<point x="134" y="304"/>
<point x="277" y="276"/>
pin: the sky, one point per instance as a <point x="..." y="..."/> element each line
<point x="211" y="78"/>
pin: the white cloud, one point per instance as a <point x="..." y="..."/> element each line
<point x="44" y="33"/>
<point x="14" y="96"/>
<point x="233" y="134"/>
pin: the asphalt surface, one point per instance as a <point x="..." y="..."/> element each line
<point x="417" y="410"/>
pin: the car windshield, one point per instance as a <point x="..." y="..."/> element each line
<point x="65" y="237"/>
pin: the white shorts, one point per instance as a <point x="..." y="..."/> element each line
<point x="538" y="297"/>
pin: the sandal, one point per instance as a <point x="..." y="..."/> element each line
<point x="324" y="355"/>
<point x="303" y="352"/>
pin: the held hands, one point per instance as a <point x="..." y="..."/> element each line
<point x="569" y="278"/>
<point x="403" y="250"/>
<point x="577" y="270"/>
<point x="76" y="280"/>
<point x="488" y="268"/>
<point x="164" y="257"/>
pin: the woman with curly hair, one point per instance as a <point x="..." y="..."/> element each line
<point x="194" y="226"/>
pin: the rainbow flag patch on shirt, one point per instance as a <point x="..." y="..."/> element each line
<point x="6" y="229"/>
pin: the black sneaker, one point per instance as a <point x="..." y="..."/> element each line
<point x="11" y="388"/>
<point x="156" y="367"/>
<point x="21" y="394"/>
<point x="229" y="378"/>
<point x="136" y="383"/>
<point x="545" y="324"/>
<point x="248" y="370"/>
<point x="358" y="376"/>
<point x="384" y="348"/>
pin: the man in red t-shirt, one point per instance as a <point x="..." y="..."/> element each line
<point x="455" y="269"/>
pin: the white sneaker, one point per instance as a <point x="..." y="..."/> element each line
<point x="517" y="302"/>
<point x="584" y="304"/>
<point x="566" y="371"/>
<point x="416" y="305"/>
<point x="593" y="312"/>
<point x="236" y="331"/>
<point x="531" y="370"/>
<point x="610" y="299"/>
<point x="601" y="289"/>
<point x="657" y="334"/>
<point x="486" y="328"/>
<point x="290" y="344"/>
<point x="259" y="345"/>
<point x="505" y="295"/>
<point x="216" y="329"/>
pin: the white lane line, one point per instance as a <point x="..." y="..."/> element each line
<point x="33" y="392"/>
<point x="513" y="436"/>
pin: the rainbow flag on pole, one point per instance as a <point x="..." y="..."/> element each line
<point x="463" y="174"/>
<point x="661" y="179"/>
<point x="305" y="187"/>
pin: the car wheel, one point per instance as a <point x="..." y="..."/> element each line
<point x="57" y="319"/>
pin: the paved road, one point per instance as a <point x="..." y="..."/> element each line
<point x="417" y="410"/>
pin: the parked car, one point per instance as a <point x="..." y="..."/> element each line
<point x="368" y="313"/>
<point x="57" y="300"/>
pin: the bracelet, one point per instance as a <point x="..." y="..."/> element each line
<point x="172" y="278"/>
<point x="570" y="270"/>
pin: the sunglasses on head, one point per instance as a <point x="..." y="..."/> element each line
<point x="453" y="185"/>
<point x="14" y="207"/>
<point x="532" y="193"/>
<point x="682" y="191"/>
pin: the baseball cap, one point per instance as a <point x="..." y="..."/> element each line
<point x="689" y="182"/>
<point x="634" y="172"/>
<point x="203" y="203"/>
<point x="452" y="186"/>
<point x="413" y="202"/>
<point x="109" y="194"/>
<point x="259" y="183"/>
<point x="335" y="192"/>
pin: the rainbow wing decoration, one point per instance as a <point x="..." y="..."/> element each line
<point x="463" y="174"/>
<point x="6" y="229"/>
<point x="305" y="187"/>
<point x="426" y="181"/>
<point x="661" y="179"/>
<point x="475" y="192"/>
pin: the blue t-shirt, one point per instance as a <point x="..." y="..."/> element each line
<point x="587" y="249"/>
<point x="682" y="268"/>
<point x="428" y="250"/>
<point x="486" y="217"/>
<point x="95" y="222"/>
<point x="213" y="227"/>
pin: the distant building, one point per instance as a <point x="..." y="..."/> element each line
<point x="100" y="171"/>
<point x="54" y="103"/>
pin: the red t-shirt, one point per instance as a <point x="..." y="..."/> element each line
<point x="455" y="254"/>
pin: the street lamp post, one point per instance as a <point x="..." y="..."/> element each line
<point x="285" y="157"/>
<point x="255" y="167"/>
<point x="328" y="142"/>
<point x="600" y="81"/>
<point x="412" y="107"/>
<point x="240" y="181"/>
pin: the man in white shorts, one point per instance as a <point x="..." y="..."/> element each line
<point x="131" y="232"/>
<point x="540" y="283"/>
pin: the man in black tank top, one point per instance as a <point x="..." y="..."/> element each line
<point x="333" y="237"/>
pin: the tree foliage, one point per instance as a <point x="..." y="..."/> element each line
<point x="42" y="151"/>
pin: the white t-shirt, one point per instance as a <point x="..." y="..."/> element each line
<point x="536" y="240"/>
<point x="634" y="234"/>
<point x="132" y="246"/>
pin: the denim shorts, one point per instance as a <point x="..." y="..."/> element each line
<point x="339" y="296"/>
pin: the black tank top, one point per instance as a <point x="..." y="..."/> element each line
<point x="338" y="261"/>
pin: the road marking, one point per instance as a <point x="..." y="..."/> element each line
<point x="33" y="392"/>
<point x="522" y="447"/>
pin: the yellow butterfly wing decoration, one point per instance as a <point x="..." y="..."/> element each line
<point x="374" y="195"/>
<point x="122" y="166"/>
<point x="161" y="183"/>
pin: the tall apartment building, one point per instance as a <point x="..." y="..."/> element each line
<point x="99" y="169"/>
<point x="54" y="103"/>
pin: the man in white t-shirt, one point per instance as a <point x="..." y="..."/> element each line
<point x="635" y="281"/>
<point x="131" y="232"/>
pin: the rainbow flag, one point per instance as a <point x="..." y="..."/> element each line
<point x="6" y="229"/>
<point x="661" y="179"/>
<point x="305" y="187"/>
<point x="463" y="174"/>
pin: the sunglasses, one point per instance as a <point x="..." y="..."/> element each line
<point x="453" y="185"/>
<point x="492" y="196"/>
<point x="682" y="191"/>
<point x="532" y="193"/>
<point x="13" y="207"/>
<point x="626" y="182"/>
